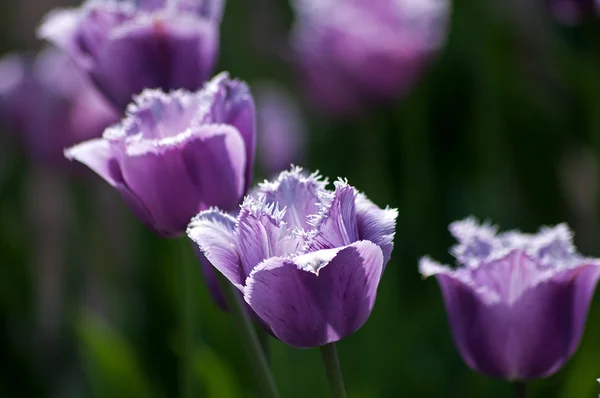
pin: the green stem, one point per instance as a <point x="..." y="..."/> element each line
<point x="187" y="325"/>
<point x="333" y="370"/>
<point x="249" y="338"/>
<point x="520" y="389"/>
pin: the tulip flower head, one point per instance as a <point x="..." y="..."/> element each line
<point x="306" y="259"/>
<point x="517" y="303"/>
<point x="176" y="154"/>
<point x="352" y="53"/>
<point x="128" y="46"/>
<point x="48" y="102"/>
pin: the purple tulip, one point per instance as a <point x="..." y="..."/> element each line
<point x="518" y="304"/>
<point x="307" y="260"/>
<point x="282" y="137"/>
<point x="179" y="153"/>
<point x="127" y="47"/>
<point x="572" y="11"/>
<point x="49" y="103"/>
<point x="352" y="53"/>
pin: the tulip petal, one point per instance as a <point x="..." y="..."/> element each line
<point x="214" y="232"/>
<point x="376" y="224"/>
<point x="336" y="223"/>
<point x="317" y="298"/>
<point x="165" y="53"/>
<point x="177" y="180"/>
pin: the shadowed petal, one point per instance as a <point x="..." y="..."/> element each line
<point x="376" y="224"/>
<point x="317" y="298"/>
<point x="97" y="154"/>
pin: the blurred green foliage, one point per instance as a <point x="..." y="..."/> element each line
<point x="505" y="125"/>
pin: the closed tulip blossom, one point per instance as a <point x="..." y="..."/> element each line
<point x="128" y="46"/>
<point x="49" y="104"/>
<point x="177" y="154"/>
<point x="306" y="259"/>
<point x="517" y="303"/>
<point x="354" y="53"/>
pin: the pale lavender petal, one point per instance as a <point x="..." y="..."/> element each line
<point x="262" y="234"/>
<point x="376" y="225"/>
<point x="214" y="233"/>
<point x="336" y="224"/>
<point x="317" y="298"/>
<point x="298" y="193"/>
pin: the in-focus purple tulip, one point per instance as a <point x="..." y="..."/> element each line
<point x="177" y="154"/>
<point x="518" y="303"/>
<point x="49" y="103"/>
<point x="282" y="138"/>
<point x="306" y="259"/>
<point x="353" y="53"/>
<point x="126" y="47"/>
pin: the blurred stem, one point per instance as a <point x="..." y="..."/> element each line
<point x="187" y="324"/>
<point x="333" y="370"/>
<point x="249" y="338"/>
<point x="520" y="389"/>
<point x="263" y="338"/>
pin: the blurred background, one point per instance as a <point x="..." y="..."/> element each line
<point x="501" y="121"/>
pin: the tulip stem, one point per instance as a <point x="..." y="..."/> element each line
<point x="520" y="389"/>
<point x="187" y="325"/>
<point x="249" y="338"/>
<point x="333" y="370"/>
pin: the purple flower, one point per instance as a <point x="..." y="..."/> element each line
<point x="282" y="137"/>
<point x="307" y="260"/>
<point x="518" y="305"/>
<point x="126" y="47"/>
<point x="573" y="11"/>
<point x="355" y="52"/>
<point x="49" y="103"/>
<point x="176" y="154"/>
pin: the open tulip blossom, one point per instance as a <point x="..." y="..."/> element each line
<point x="518" y="303"/>
<point x="354" y="52"/>
<point x="306" y="259"/>
<point x="176" y="154"/>
<point x="128" y="46"/>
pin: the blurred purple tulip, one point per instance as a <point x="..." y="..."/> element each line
<point x="573" y="11"/>
<point x="352" y="53"/>
<point x="517" y="306"/>
<point x="49" y="103"/>
<point x="307" y="260"/>
<point x="282" y="137"/>
<point x="126" y="47"/>
<point x="177" y="154"/>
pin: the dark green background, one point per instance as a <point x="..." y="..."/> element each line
<point x="505" y="125"/>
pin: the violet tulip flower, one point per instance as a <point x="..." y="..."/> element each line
<point x="306" y="259"/>
<point x="176" y="154"/>
<point x="573" y="11"/>
<point x="517" y="304"/>
<point x="352" y="53"/>
<point x="50" y="105"/>
<point x="128" y="46"/>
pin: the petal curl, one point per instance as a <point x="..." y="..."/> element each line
<point x="376" y="224"/>
<point x="307" y="308"/>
